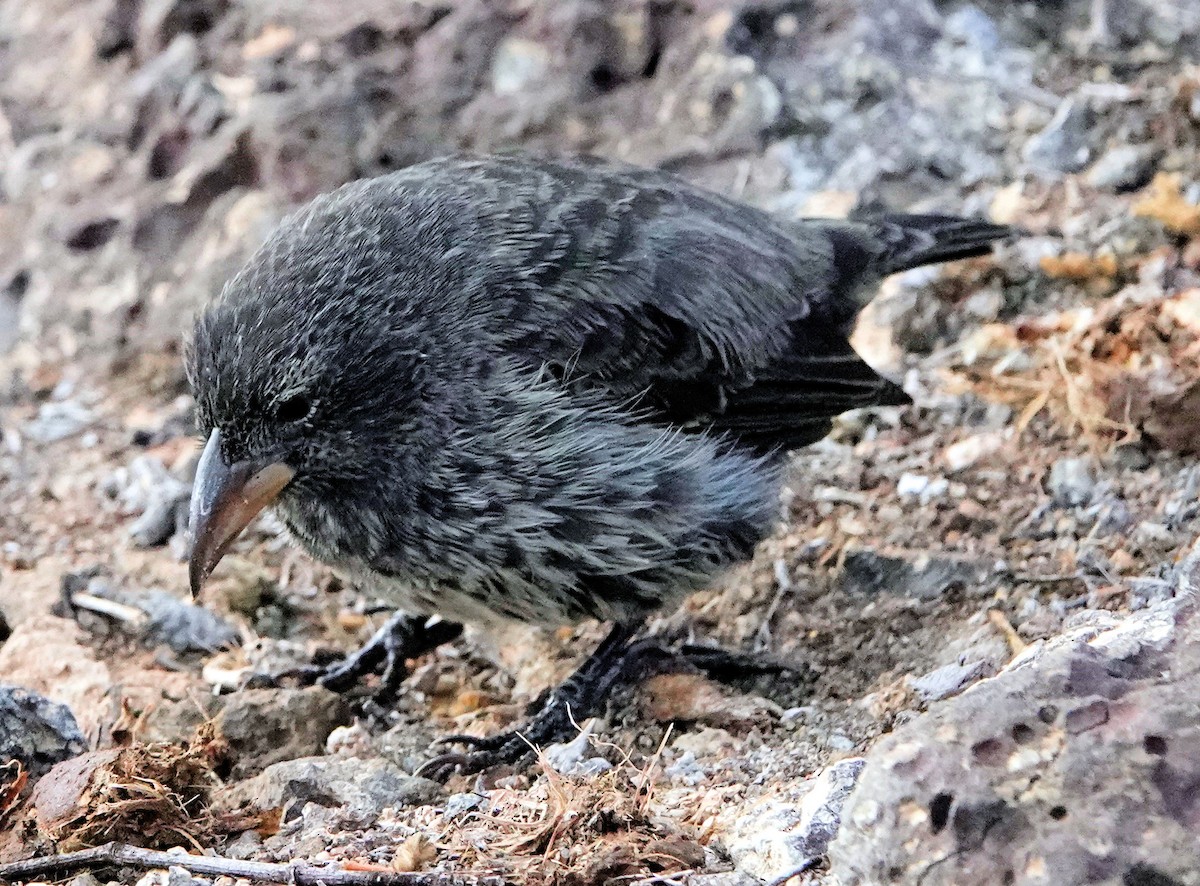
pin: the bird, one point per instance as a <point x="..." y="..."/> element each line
<point x="496" y="388"/>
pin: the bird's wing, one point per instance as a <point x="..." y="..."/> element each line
<point x="695" y="310"/>
<point x="699" y="311"/>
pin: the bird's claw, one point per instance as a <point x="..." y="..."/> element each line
<point x="469" y="740"/>
<point x="506" y="748"/>
<point x="401" y="638"/>
<point x="554" y="722"/>
<point x="617" y="661"/>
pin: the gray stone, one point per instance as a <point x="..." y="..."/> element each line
<point x="364" y="787"/>
<point x="57" y="421"/>
<point x="1077" y="763"/>
<point x="686" y="770"/>
<point x="949" y="680"/>
<point x="36" y="731"/>
<point x="461" y="804"/>
<point x="1124" y="168"/>
<point x="1065" y="145"/>
<point x="572" y="758"/>
<point x="174" y="875"/>
<point x="247" y="845"/>
<point x="780" y="837"/>
<point x="921" y="487"/>
<point x="178" y="876"/>
<point x="266" y="725"/>
<point x="1072" y="482"/>
<point x="910" y="573"/>
<point x="261" y="726"/>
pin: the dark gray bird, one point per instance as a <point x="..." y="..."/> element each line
<point x="512" y="388"/>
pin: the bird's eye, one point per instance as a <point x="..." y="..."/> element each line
<point x="293" y="409"/>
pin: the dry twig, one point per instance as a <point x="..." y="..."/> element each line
<point x="297" y="873"/>
<point x="1001" y="623"/>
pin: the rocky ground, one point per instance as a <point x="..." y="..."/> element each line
<point x="988" y="597"/>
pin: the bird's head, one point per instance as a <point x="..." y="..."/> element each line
<point x="308" y="373"/>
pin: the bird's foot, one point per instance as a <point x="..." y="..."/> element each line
<point x="616" y="662"/>
<point x="401" y="638"/>
<point x="555" y="720"/>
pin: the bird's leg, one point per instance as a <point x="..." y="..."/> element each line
<point x="617" y="660"/>
<point x="578" y="697"/>
<point x="402" y="637"/>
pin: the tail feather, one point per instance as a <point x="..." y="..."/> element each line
<point x="911" y="241"/>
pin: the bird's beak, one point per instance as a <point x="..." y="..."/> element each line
<point x="225" y="498"/>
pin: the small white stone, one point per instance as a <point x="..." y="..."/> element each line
<point x="570" y="758"/>
<point x="965" y="453"/>
<point x="777" y="837"/>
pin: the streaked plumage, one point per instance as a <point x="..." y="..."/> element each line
<point x="543" y="390"/>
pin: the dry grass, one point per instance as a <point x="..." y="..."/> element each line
<point x="568" y="831"/>
<point x="152" y="795"/>
<point x="1112" y="372"/>
<point x="1164" y="202"/>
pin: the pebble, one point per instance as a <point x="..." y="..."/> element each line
<point x="686" y="770"/>
<point x="172" y="876"/>
<point x="1072" y="482"/>
<point x="922" y="487"/>
<point x="247" y="845"/>
<point x="58" y="421"/>
<point x="366" y="787"/>
<point x="970" y="451"/>
<point x="36" y="731"/>
<point x="1124" y="168"/>
<point x="261" y="726"/>
<point x="460" y="804"/>
<point x="948" y="680"/>
<point x="780" y="837"/>
<point x="1065" y="145"/>
<point x="571" y="758"/>
<point x="707" y="742"/>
